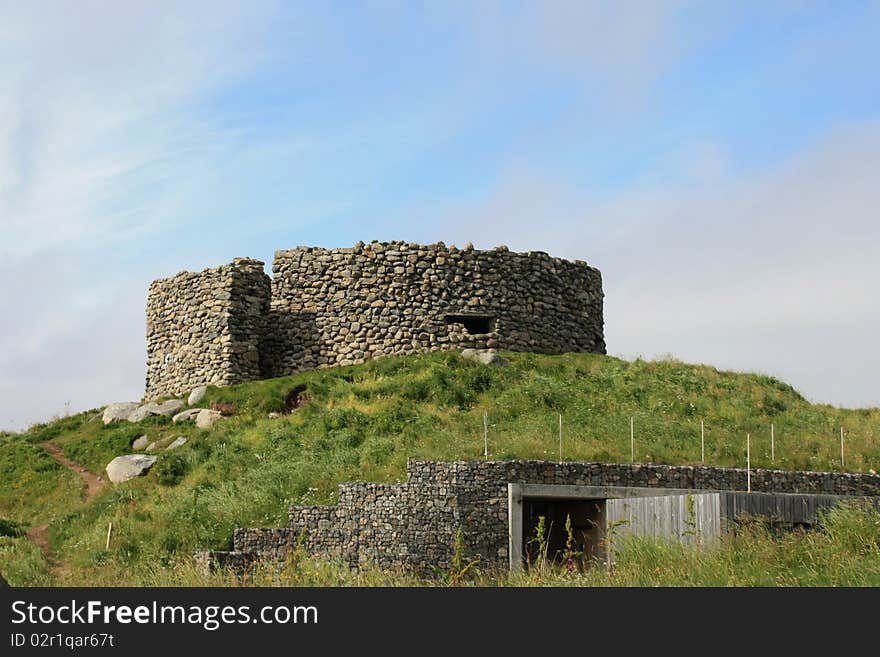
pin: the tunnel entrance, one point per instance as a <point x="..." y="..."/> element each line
<point x="473" y="324"/>
<point x="587" y="518"/>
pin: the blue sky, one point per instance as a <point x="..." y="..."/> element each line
<point x="720" y="163"/>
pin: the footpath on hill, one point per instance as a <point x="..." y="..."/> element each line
<point x="94" y="484"/>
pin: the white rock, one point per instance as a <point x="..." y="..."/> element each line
<point x="140" y="443"/>
<point x="170" y="408"/>
<point x="143" y="412"/>
<point x="206" y="419"/>
<point x="188" y="414"/>
<point x="123" y="468"/>
<point x="158" y="444"/>
<point x="492" y="359"/>
<point x="196" y="395"/>
<point x="485" y="357"/>
<point x="119" y="411"/>
<point x="178" y="442"/>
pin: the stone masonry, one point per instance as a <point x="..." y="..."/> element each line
<point x="206" y="328"/>
<point x="326" y="307"/>
<point x="412" y="525"/>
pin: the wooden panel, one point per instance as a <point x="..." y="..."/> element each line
<point x="667" y="517"/>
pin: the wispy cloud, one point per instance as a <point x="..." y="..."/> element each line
<point x="101" y="127"/>
<point x="99" y="100"/>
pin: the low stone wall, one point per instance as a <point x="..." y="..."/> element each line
<point x="413" y="525"/>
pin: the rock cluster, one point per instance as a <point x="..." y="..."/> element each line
<point x="344" y="306"/>
<point x="128" y="466"/>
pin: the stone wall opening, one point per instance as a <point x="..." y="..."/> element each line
<point x="587" y="518"/>
<point x="473" y="324"/>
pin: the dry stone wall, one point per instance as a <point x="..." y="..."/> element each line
<point x="344" y="306"/>
<point x="412" y="525"/>
<point x="340" y="307"/>
<point x="206" y="327"/>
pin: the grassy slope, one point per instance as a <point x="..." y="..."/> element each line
<point x="362" y="423"/>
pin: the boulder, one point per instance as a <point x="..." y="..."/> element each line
<point x="206" y="419"/>
<point x="143" y="412"/>
<point x="168" y="409"/>
<point x="485" y="357"/>
<point x="140" y="443"/>
<point x="123" y="468"/>
<point x="188" y="414"/>
<point x="196" y="395"/>
<point x="178" y="442"/>
<point x="492" y="359"/>
<point x="118" y="411"/>
<point x="158" y="444"/>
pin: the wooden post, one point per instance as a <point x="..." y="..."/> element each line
<point x="842" y="462"/>
<point x="560" y="437"/>
<point x="702" y="443"/>
<point x="772" y="444"/>
<point x="748" y="463"/>
<point x="485" y="434"/>
<point x="109" y="531"/>
<point x="632" y="440"/>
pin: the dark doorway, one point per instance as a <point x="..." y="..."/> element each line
<point x="473" y="324"/>
<point x="587" y="529"/>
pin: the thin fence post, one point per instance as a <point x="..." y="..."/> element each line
<point x="772" y="444"/>
<point x="748" y="463"/>
<point x="485" y="434"/>
<point x="632" y="440"/>
<point x="560" y="437"/>
<point x="109" y="531"/>
<point x="702" y="443"/>
<point x="842" y="462"/>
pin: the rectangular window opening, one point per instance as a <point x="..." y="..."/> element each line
<point x="473" y="324"/>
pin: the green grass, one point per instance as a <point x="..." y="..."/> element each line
<point x="843" y="551"/>
<point x="363" y="422"/>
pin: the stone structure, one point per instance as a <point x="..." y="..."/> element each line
<point x="412" y="525"/>
<point x="206" y="327"/>
<point x="326" y="307"/>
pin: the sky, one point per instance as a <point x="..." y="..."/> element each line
<point x="718" y="162"/>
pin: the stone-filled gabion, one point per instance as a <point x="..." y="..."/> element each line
<point x="412" y="525"/>
<point x="344" y="306"/>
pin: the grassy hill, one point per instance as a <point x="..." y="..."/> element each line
<point x="362" y="423"/>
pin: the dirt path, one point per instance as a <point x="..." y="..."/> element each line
<point x="94" y="484"/>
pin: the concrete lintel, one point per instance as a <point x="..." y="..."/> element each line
<point x="566" y="492"/>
